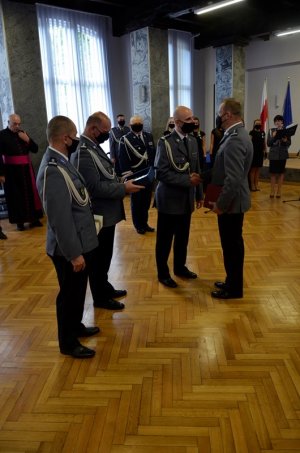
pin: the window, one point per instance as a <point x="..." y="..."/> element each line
<point x="180" y="78"/>
<point x="75" y="69"/>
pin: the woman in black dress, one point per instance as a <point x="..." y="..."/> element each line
<point x="278" y="154"/>
<point x="200" y="137"/>
<point x="258" y="137"/>
<point x="215" y="138"/>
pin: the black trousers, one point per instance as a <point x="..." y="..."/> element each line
<point x="231" y="230"/>
<point x="140" y="204"/>
<point x="171" y="227"/>
<point x="101" y="289"/>
<point x="70" y="300"/>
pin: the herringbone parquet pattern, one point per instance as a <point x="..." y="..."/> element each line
<point x="176" y="371"/>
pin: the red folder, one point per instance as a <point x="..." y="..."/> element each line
<point x="212" y="194"/>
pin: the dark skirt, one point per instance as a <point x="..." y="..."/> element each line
<point x="277" y="166"/>
<point x="258" y="159"/>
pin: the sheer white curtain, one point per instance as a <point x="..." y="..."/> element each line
<point x="74" y="59"/>
<point x="180" y="68"/>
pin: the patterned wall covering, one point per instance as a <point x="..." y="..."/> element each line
<point x="6" y="101"/>
<point x="139" y="42"/>
<point x="239" y="73"/>
<point x="224" y="74"/>
<point x="230" y="73"/>
<point x="159" y="80"/>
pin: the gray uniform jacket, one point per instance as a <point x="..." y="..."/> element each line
<point x="105" y="191"/>
<point x="278" y="149"/>
<point x="71" y="228"/>
<point x="174" y="193"/>
<point x="231" y="167"/>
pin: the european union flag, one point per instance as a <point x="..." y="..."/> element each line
<point x="287" y="107"/>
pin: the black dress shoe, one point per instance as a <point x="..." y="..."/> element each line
<point x="2" y="235"/>
<point x="80" y="352"/>
<point x="149" y="229"/>
<point x="141" y="231"/>
<point x="36" y="223"/>
<point x="186" y="274"/>
<point x="20" y="227"/>
<point x="119" y="293"/>
<point x="168" y="282"/>
<point x="223" y="294"/>
<point x="220" y="285"/>
<point x="88" y="331"/>
<point x="110" y="304"/>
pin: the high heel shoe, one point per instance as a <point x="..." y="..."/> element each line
<point x="278" y="195"/>
<point x="271" y="195"/>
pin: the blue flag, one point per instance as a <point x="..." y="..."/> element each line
<point x="287" y="107"/>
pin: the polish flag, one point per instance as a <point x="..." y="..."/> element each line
<point x="264" y="107"/>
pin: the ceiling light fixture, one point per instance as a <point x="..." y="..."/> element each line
<point x="212" y="7"/>
<point x="288" y="32"/>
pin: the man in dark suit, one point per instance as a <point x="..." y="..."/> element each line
<point x="107" y="195"/>
<point x="114" y="141"/>
<point x="178" y="172"/>
<point x="136" y="153"/>
<point x="231" y="168"/>
<point x="71" y="233"/>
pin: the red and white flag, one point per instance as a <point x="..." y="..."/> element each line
<point x="264" y="107"/>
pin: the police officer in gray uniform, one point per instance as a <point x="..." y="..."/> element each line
<point x="71" y="233"/>
<point x="177" y="169"/>
<point x="107" y="195"/>
<point x="230" y="171"/>
<point x="136" y="153"/>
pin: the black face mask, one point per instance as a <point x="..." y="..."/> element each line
<point x="187" y="128"/>
<point x="219" y="122"/>
<point x="257" y="127"/>
<point x="121" y="123"/>
<point x="138" y="127"/>
<point x="101" y="138"/>
<point x="72" y="148"/>
<point x="171" y="126"/>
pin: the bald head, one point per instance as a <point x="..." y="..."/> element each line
<point x="97" y="127"/>
<point x="184" y="120"/>
<point x="14" y="122"/>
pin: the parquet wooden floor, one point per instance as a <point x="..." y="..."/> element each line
<point x="176" y="371"/>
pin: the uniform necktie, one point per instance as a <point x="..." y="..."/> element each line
<point x="185" y="143"/>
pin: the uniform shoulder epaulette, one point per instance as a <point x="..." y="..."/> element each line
<point x="53" y="162"/>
